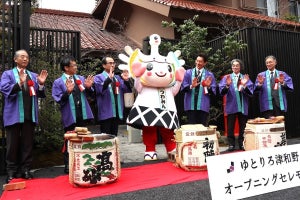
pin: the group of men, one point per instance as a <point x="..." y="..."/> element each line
<point x="21" y="88"/>
<point x="200" y="86"/>
<point x="71" y="92"/>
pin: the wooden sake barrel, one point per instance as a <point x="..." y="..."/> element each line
<point x="264" y="135"/>
<point x="94" y="163"/>
<point x="193" y="146"/>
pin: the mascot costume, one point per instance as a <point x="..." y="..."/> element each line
<point x="157" y="80"/>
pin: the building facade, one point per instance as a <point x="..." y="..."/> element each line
<point x="140" y="18"/>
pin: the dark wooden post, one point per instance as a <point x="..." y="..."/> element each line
<point x="146" y="46"/>
<point x="25" y="24"/>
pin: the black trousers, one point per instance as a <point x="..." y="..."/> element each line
<point x="197" y="117"/>
<point x="110" y="126"/>
<point x="275" y="112"/>
<point x="19" y="139"/>
<point x="242" y="119"/>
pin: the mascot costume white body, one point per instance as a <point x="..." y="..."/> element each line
<point x="157" y="80"/>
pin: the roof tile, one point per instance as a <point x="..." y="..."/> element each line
<point x="192" y="5"/>
<point x="92" y="34"/>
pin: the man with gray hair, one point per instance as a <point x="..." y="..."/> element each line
<point x="237" y="88"/>
<point x="272" y="85"/>
<point x="21" y="89"/>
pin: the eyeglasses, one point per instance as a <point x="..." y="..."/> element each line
<point x="111" y="63"/>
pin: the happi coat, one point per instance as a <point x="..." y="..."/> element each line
<point x="67" y="107"/>
<point x="13" y="110"/>
<point x="236" y="101"/>
<point x="203" y="102"/>
<point x="265" y="99"/>
<point x="107" y="100"/>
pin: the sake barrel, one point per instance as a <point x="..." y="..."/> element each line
<point x="194" y="145"/>
<point x="94" y="163"/>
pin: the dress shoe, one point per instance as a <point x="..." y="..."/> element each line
<point x="231" y="148"/>
<point x="66" y="170"/>
<point x="9" y="177"/>
<point x="27" y="175"/>
<point x="242" y="148"/>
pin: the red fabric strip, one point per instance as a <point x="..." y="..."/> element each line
<point x="131" y="179"/>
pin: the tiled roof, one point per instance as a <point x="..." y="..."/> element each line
<point x="92" y="36"/>
<point x="202" y="7"/>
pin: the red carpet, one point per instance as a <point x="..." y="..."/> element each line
<point x="131" y="179"/>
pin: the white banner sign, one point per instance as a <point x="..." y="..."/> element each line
<point x="249" y="173"/>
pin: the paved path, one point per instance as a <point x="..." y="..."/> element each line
<point x="134" y="152"/>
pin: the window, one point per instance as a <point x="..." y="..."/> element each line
<point x="294" y="8"/>
<point x="268" y="7"/>
<point x="264" y="7"/>
<point x="272" y="6"/>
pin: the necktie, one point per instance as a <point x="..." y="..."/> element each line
<point x="113" y="84"/>
<point x="199" y="75"/>
<point x="22" y="71"/>
<point x="272" y="78"/>
<point x="76" y="93"/>
<point x="26" y="83"/>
